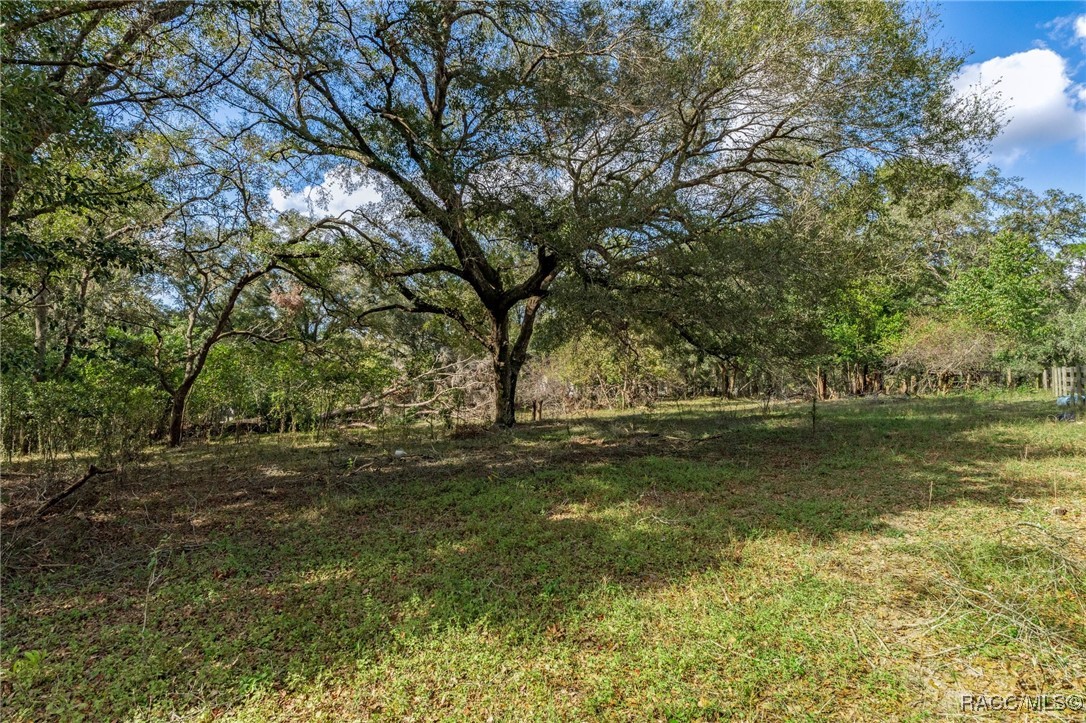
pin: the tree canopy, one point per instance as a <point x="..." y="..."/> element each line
<point x="514" y="143"/>
<point x="750" y="185"/>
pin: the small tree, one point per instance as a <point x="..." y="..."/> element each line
<point x="946" y="347"/>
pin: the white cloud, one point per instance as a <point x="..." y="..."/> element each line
<point x="1080" y="27"/>
<point x="1042" y="104"/>
<point x="339" y="191"/>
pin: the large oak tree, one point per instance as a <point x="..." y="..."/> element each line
<point x="515" y="141"/>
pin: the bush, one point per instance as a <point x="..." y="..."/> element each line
<point x="943" y="347"/>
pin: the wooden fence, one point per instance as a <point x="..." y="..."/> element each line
<point x="1069" y="380"/>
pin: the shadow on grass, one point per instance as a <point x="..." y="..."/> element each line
<point x="218" y="570"/>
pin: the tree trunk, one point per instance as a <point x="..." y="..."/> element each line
<point x="177" y="414"/>
<point x="508" y="357"/>
<point x="505" y="393"/>
<point x="506" y="371"/>
<point x="41" y="332"/>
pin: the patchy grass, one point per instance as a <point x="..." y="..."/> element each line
<point x="695" y="562"/>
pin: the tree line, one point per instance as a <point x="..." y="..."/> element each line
<point x="551" y="202"/>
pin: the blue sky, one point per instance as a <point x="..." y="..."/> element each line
<point x="1035" y="53"/>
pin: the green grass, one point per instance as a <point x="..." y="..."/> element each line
<point x="696" y="562"/>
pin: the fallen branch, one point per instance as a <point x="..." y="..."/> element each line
<point x="378" y="402"/>
<point x="92" y="471"/>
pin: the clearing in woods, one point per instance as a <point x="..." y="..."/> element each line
<point x="697" y="561"/>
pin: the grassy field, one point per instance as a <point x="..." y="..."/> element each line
<point x="694" y="562"/>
